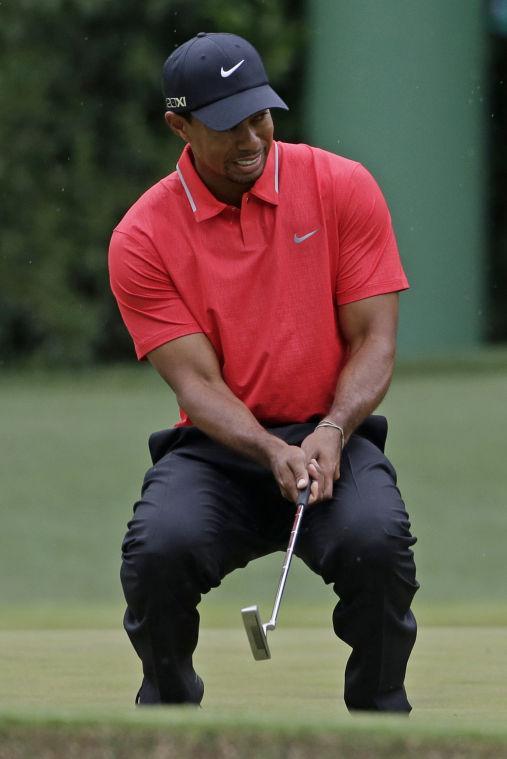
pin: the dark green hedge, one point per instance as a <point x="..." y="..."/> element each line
<point x="82" y="136"/>
<point x="497" y="199"/>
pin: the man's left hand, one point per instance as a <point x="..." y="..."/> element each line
<point x="323" y="453"/>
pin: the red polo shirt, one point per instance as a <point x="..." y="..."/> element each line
<point x="262" y="282"/>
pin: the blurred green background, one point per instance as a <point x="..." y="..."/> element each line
<point x="415" y="91"/>
<point x="74" y="453"/>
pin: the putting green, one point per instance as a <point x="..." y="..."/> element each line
<point x="73" y="453"/>
<point x="69" y="693"/>
<point x="457" y="675"/>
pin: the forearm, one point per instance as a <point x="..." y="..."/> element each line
<point x="363" y="382"/>
<point x="190" y="366"/>
<point x="215" y="410"/>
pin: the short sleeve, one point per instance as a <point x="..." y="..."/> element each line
<point x="369" y="263"/>
<point x="149" y="302"/>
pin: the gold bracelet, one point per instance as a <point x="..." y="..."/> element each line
<point x="327" y="423"/>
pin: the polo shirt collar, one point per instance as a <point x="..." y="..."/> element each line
<point x="204" y="204"/>
<point x="267" y="186"/>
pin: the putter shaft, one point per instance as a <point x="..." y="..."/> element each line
<point x="255" y="630"/>
<point x="288" y="558"/>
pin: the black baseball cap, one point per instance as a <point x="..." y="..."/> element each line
<point x="219" y="78"/>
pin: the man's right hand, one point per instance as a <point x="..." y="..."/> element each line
<point x="291" y="471"/>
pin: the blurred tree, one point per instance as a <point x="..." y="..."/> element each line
<point x="497" y="205"/>
<point x="82" y="136"/>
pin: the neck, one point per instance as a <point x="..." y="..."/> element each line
<point x="221" y="187"/>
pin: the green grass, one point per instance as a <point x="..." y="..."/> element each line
<point x="457" y="677"/>
<point x="57" y="680"/>
<point x="176" y="735"/>
<point x="72" y="456"/>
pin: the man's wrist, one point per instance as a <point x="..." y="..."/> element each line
<point x="267" y="447"/>
<point x="330" y="424"/>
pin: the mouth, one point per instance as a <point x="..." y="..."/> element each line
<point x="249" y="163"/>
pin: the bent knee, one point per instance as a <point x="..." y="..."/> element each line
<point x="370" y="548"/>
<point x="166" y="556"/>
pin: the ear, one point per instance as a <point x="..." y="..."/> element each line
<point x="177" y="125"/>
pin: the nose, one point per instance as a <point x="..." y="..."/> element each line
<point x="247" y="139"/>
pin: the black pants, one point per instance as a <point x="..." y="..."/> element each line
<point x="205" y="511"/>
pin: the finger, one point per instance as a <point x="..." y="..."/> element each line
<point x="296" y="486"/>
<point x="281" y="485"/>
<point x="314" y="492"/>
<point x="299" y="480"/>
<point x="328" y="480"/>
<point x="291" y="487"/>
<point x="314" y="469"/>
<point x="326" y="491"/>
<point x="316" y="473"/>
<point x="286" y="482"/>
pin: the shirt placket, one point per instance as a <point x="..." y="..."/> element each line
<point x="249" y="226"/>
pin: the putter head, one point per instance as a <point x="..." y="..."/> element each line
<point x="255" y="633"/>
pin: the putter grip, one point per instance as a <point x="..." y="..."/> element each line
<point x="304" y="495"/>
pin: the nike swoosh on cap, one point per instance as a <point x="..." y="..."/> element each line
<point x="302" y="238"/>
<point x="227" y="73"/>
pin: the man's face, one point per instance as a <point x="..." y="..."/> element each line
<point x="229" y="162"/>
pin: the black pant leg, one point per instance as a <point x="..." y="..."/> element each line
<point x="203" y="512"/>
<point x="360" y="541"/>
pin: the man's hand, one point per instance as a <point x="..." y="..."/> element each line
<point x="290" y="470"/>
<point x="322" y="450"/>
<point x="318" y="458"/>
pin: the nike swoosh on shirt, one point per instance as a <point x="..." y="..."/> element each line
<point x="302" y="238"/>
<point x="227" y="73"/>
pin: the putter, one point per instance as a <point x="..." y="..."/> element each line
<point x="257" y="633"/>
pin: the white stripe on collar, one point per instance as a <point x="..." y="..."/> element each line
<point x="276" y="168"/>
<point x="187" y="191"/>
<point x="189" y="194"/>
